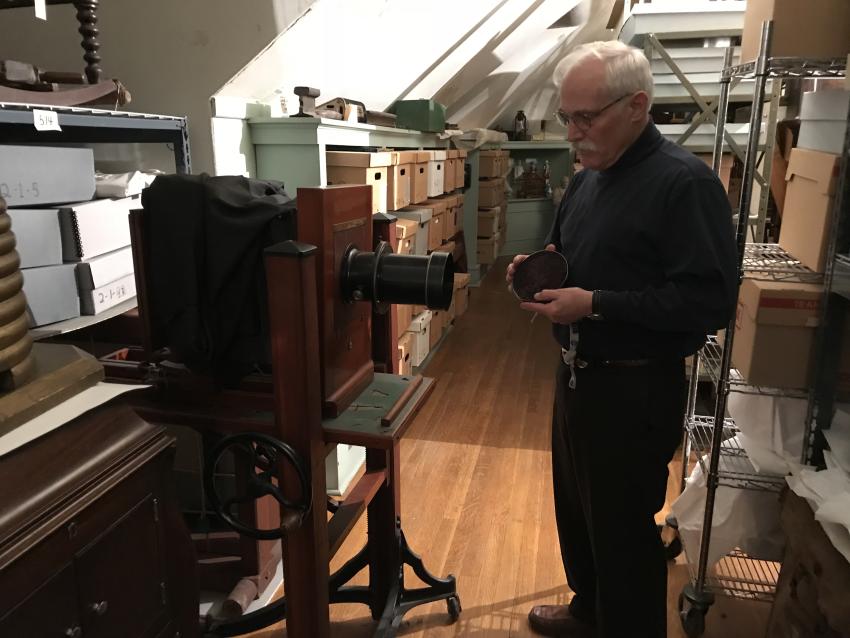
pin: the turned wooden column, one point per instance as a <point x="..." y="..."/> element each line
<point x="87" y="17"/>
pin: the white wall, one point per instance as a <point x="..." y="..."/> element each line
<point x="171" y="54"/>
<point x="483" y="59"/>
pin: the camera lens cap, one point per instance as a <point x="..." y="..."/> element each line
<point x="542" y="270"/>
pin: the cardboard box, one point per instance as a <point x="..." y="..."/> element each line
<point x="420" y="329"/>
<point x="801" y="28"/>
<point x="436" y="173"/>
<point x="490" y="164"/>
<point x="449" y="176"/>
<point x="37" y="236"/>
<point x="45" y="175"/>
<point x="491" y="192"/>
<point x="460" y="296"/>
<point x="405" y="355"/>
<point x="775" y="330"/>
<point x="438" y="324"/>
<point x="405" y="232"/>
<point x="404" y="315"/>
<point x="422" y="215"/>
<point x="398" y="185"/>
<point x="375" y="176"/>
<point x="419" y="179"/>
<point x="811" y="179"/>
<point x="460" y="173"/>
<point x="435" y="232"/>
<point x="95" y="228"/>
<point x="354" y="159"/>
<point x="488" y="249"/>
<point x="51" y="293"/>
<point x="823" y="120"/>
<point x="489" y="221"/>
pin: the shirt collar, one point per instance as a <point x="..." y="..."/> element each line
<point x="647" y="142"/>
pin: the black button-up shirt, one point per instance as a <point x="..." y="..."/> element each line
<point x="654" y="234"/>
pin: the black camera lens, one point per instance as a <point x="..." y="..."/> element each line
<point x="384" y="278"/>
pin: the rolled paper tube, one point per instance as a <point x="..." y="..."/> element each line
<point x="5" y="222"/>
<point x="14" y="330"/>
<point x="13" y="307"/>
<point x="239" y="599"/>
<point x="7" y="242"/>
<point x="11" y="285"/>
<point x="15" y="353"/>
<point x="9" y="263"/>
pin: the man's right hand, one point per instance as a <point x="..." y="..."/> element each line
<point x="509" y="276"/>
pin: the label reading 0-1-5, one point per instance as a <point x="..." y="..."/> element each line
<point x="18" y="190"/>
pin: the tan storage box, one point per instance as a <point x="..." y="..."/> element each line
<point x="436" y="173"/>
<point x="399" y="179"/>
<point x="488" y="249"/>
<point x="420" y="329"/>
<point x="491" y="192"/>
<point x="489" y="221"/>
<point x="449" y="247"/>
<point x="805" y="228"/>
<point x="490" y="164"/>
<point x="438" y="323"/>
<point x="421" y="215"/>
<point x="459" y="172"/>
<point x="450" y="184"/>
<point x="435" y="234"/>
<point x="405" y="233"/>
<point x="461" y="293"/>
<point x="775" y="329"/>
<point x="404" y="315"/>
<point x="419" y="178"/>
<point x="801" y="28"/>
<point x="405" y="355"/>
<point x="361" y="168"/>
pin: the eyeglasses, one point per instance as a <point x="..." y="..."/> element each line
<point x="584" y="119"/>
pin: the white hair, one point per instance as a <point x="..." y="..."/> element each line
<point x="626" y="68"/>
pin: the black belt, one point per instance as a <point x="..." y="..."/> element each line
<point x="580" y="363"/>
<point x="614" y="363"/>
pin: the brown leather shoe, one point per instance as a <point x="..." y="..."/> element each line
<point x="556" y="620"/>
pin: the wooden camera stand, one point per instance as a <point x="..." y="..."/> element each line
<point x="322" y="351"/>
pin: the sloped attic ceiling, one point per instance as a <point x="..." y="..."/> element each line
<point x="483" y="59"/>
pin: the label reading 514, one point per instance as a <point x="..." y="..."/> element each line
<point x="45" y="120"/>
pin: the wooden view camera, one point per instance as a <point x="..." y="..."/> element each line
<point x="352" y="269"/>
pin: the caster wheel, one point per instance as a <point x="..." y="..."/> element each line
<point x="453" y="604"/>
<point x="692" y="619"/>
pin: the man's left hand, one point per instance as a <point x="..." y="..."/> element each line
<point x="565" y="305"/>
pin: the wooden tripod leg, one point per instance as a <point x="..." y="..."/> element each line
<point x="293" y="313"/>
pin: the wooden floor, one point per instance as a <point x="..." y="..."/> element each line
<point x="477" y="491"/>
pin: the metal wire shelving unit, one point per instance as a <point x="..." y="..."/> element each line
<point x="713" y="438"/>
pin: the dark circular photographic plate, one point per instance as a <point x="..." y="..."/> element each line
<point x="543" y="270"/>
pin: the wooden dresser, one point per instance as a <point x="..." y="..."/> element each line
<point x="92" y="544"/>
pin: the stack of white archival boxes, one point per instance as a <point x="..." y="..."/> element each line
<point x="96" y="236"/>
<point x="75" y="258"/>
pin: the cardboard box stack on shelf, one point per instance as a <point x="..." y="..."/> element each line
<point x="776" y="320"/>
<point x="493" y="166"/>
<point x="362" y="168"/>
<point x="75" y="257"/>
<point x="800" y="29"/>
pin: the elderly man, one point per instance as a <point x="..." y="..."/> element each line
<point x="647" y="230"/>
